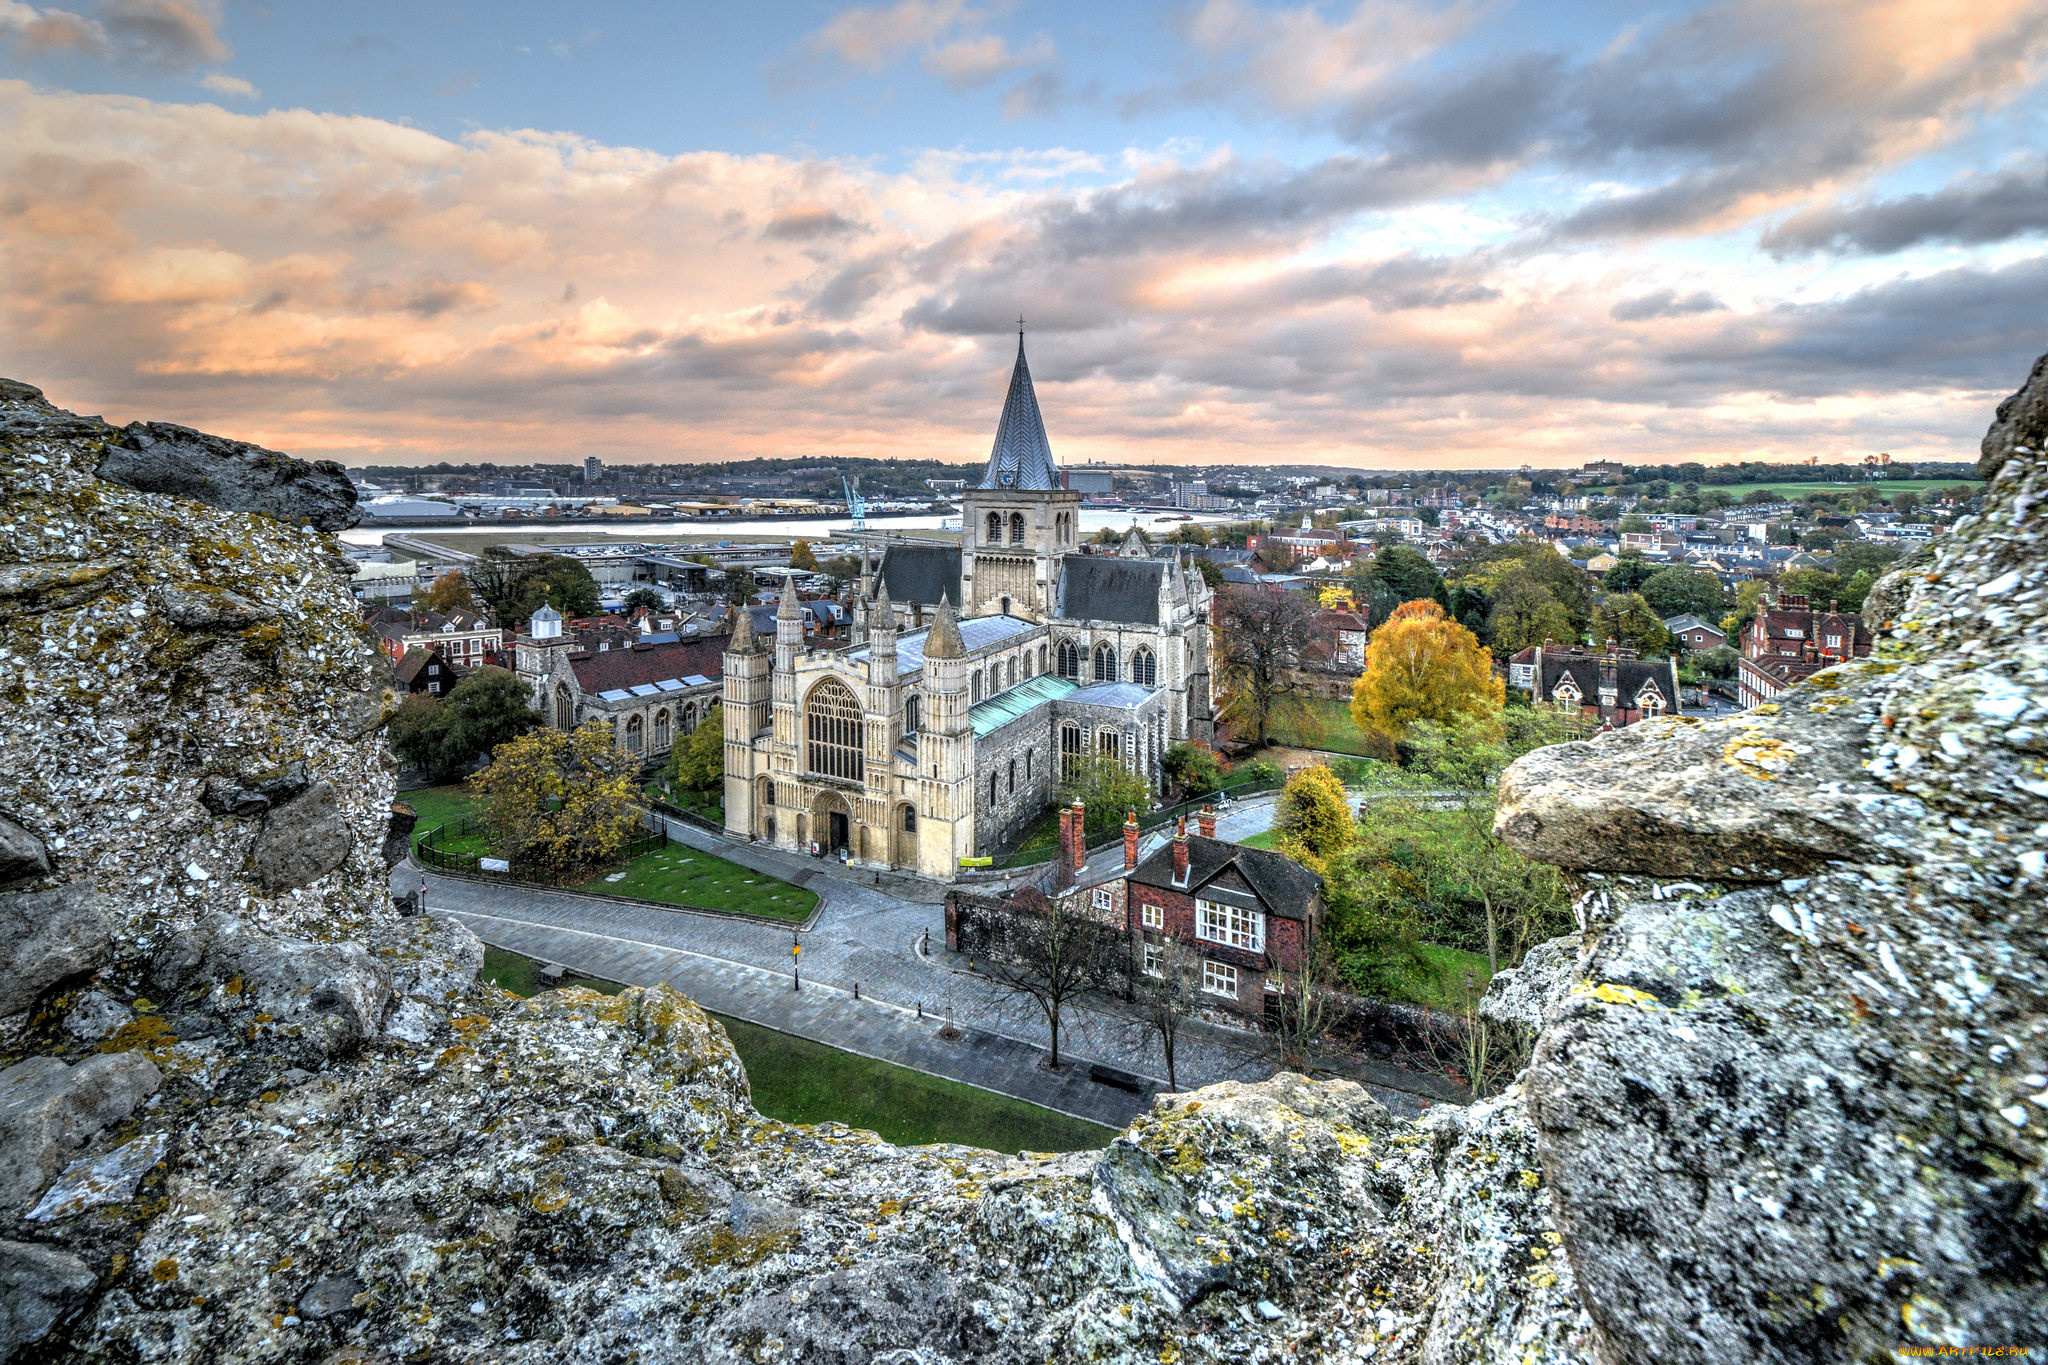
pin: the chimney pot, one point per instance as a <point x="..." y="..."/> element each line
<point x="1180" y="851"/>
<point x="1080" y="851"/>
<point x="1208" y="822"/>
<point x="1130" y="840"/>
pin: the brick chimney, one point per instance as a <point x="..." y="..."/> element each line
<point x="1180" y="851"/>
<point x="1130" y="840"/>
<point x="1208" y="822"/>
<point x="1079" y="855"/>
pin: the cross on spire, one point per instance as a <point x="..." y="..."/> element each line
<point x="1020" y="324"/>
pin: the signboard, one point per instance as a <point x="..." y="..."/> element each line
<point x="976" y="862"/>
<point x="493" y="865"/>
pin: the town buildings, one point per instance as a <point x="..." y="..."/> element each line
<point x="1613" y="687"/>
<point x="1791" y="640"/>
<point x="649" y="690"/>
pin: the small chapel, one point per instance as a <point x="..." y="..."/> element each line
<point x="977" y="675"/>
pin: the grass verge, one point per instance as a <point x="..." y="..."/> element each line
<point x="1326" y="724"/>
<point x="680" y="875"/>
<point x="799" y="1081"/>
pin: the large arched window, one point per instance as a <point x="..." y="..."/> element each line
<point x="1108" y="743"/>
<point x="995" y="528"/>
<point x="661" y="724"/>
<point x="833" y="726"/>
<point x="565" y="709"/>
<point x="636" y="735"/>
<point x="1144" y="668"/>
<point x="1105" y="662"/>
<point x="974" y="687"/>
<point x="1016" y="528"/>
<point x="995" y="678"/>
<point x="1028" y="662"/>
<point x="994" y="781"/>
<point x="1071" y="751"/>
<point x="1070" y="660"/>
<point x="688" y="717"/>
<point x="1013" y="671"/>
<point x="1041" y="658"/>
<point x="912" y="706"/>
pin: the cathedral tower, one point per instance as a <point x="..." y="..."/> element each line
<point x="945" y="805"/>
<point x="1018" y="521"/>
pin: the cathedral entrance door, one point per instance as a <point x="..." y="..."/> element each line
<point x="838" y="827"/>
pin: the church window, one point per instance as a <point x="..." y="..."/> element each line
<point x="910" y="819"/>
<point x="993" y="780"/>
<point x="1070" y="662"/>
<point x="974" y="686"/>
<point x="995" y="678"/>
<point x="689" y="718"/>
<point x="1027" y="765"/>
<point x="1070" y="749"/>
<point x="565" y="709"/>
<point x="1013" y="671"/>
<point x="1041" y="658"/>
<point x="1016" y="528"/>
<point x="912" y="705"/>
<point x="661" y="728"/>
<point x="1027" y="664"/>
<point x="833" y="726"/>
<point x="1144" y="668"/>
<point x="1013" y="775"/>
<point x="1105" y="662"/>
<point x="995" y="528"/>
<point x="1108" y="743"/>
<point x="635" y="734"/>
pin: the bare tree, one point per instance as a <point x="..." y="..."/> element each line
<point x="493" y="580"/>
<point x="1169" y="993"/>
<point x="1301" y="1019"/>
<point x="1265" y="636"/>
<point x="1051" y="952"/>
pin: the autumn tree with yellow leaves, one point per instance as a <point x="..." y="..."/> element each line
<point x="1421" y="665"/>
<point x="556" y="802"/>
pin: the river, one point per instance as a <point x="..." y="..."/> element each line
<point x="803" y="528"/>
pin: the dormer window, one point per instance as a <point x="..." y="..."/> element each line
<point x="1230" y="925"/>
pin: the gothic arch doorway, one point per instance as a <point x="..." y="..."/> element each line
<point x="832" y="823"/>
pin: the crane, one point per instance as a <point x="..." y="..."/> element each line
<point x="854" y="505"/>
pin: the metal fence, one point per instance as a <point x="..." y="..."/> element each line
<point x="429" y="849"/>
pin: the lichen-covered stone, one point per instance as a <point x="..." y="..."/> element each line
<point x="48" y="1111"/>
<point x="159" y="457"/>
<point x="47" y="936"/>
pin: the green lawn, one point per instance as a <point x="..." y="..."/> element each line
<point x="1886" y="487"/>
<point x="439" y="805"/>
<point x="798" y="1081"/>
<point x="1327" y="725"/>
<point x="1439" y="981"/>
<point x="1265" y="838"/>
<point x="681" y="875"/>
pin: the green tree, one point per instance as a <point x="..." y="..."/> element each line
<point x="1211" y="572"/>
<point x="1525" y="613"/>
<point x="1635" y="523"/>
<point x="1747" y="595"/>
<point x="1421" y="665"/>
<point x="1718" y="662"/>
<point x="557" y="802"/>
<point x="1193" y="767"/>
<point x="447" y="593"/>
<point x="1312" y="818"/>
<point x="1674" y="591"/>
<point x="1107" y="790"/>
<point x="645" y="597"/>
<point x="1627" y="619"/>
<point x="1855" y="590"/>
<point x="802" y="558"/>
<point x="1904" y="501"/>
<point x="696" y="762"/>
<point x="486" y="709"/>
<point x="1407" y="574"/>
<point x="556" y="581"/>
<point x="1540" y="563"/>
<point x="1629" y="574"/>
<point x="1864" y="556"/>
<point x="1817" y="586"/>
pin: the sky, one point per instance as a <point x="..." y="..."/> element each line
<point x="1392" y="234"/>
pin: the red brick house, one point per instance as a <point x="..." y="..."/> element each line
<point x="1790" y="641"/>
<point x="1615" y="688"/>
<point x="424" y="671"/>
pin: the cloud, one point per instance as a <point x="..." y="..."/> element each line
<point x="222" y="84"/>
<point x="1299" y="62"/>
<point x="351" y="286"/>
<point x="873" y="38"/>
<point x="1973" y="211"/>
<point x="970" y="63"/>
<point x="168" y="33"/>
<point x="1665" y="303"/>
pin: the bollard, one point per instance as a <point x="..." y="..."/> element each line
<point x="856" y="990"/>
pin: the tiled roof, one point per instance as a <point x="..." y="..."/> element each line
<point x="976" y="633"/>
<point x="1104" y="588"/>
<point x="920" y="574"/>
<point x="1021" y="456"/>
<point x="623" y="669"/>
<point x="1285" y="887"/>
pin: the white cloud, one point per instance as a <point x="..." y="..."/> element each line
<point x="873" y="38"/>
<point x="220" y="83"/>
<point x="175" y="34"/>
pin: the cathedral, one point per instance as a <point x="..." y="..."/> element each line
<point x="976" y="675"/>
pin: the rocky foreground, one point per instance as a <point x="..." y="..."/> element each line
<point x="1787" y="1100"/>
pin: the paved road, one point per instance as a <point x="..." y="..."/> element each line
<point x="869" y="935"/>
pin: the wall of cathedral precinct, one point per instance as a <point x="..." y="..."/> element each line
<point x="1013" y="779"/>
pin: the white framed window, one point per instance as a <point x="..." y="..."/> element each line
<point x="1152" y="916"/>
<point x="1834" y="642"/>
<point x="1103" y="899"/>
<point x="1219" y="978"/>
<point x="1155" y="960"/>
<point x="433" y="687"/>
<point x="1276" y="983"/>
<point x="1230" y="926"/>
<point x="1795" y="633"/>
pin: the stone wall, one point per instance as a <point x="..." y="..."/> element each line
<point x="1785" y="1103"/>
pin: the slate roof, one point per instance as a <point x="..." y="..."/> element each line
<point x="415" y="661"/>
<point x="1021" y="457"/>
<point x="1111" y="694"/>
<point x="921" y="573"/>
<point x="1283" y="886"/>
<point x="635" y="666"/>
<point x="1015" y="702"/>
<point x="1103" y="588"/>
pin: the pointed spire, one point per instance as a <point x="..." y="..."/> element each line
<point x="744" y="640"/>
<point x="789" y="609"/>
<point x="1022" y="457"/>
<point x="884" y="613"/>
<point x="944" y="641"/>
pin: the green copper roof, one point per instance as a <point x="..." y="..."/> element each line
<point x="1006" y="706"/>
